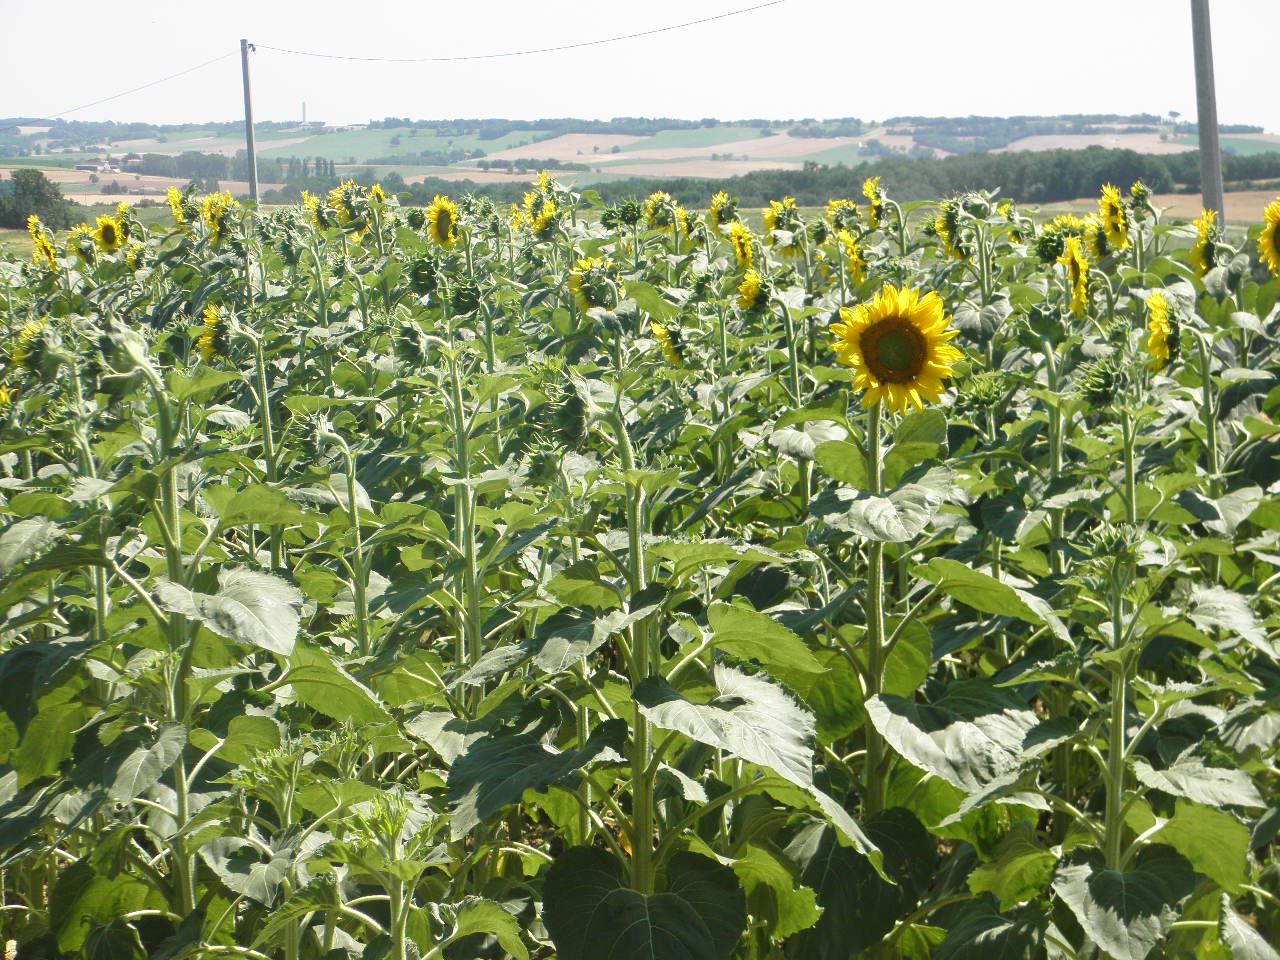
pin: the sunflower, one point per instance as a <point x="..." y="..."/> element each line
<point x="442" y="219"/>
<point x="753" y="292"/>
<point x="853" y="254"/>
<point x="544" y="221"/>
<point x="377" y="193"/>
<point x="898" y="344"/>
<point x="1204" y="255"/>
<point x="743" y="244"/>
<point x="842" y="214"/>
<point x="30" y="347"/>
<point x="871" y="190"/>
<point x="315" y="210"/>
<point x="660" y="210"/>
<point x="213" y="342"/>
<point x="109" y="234"/>
<point x="82" y="241"/>
<point x="1162" y="344"/>
<point x="7" y="394"/>
<point x="1114" y="216"/>
<point x="724" y="210"/>
<point x="783" y="216"/>
<point x="1077" y="266"/>
<point x="174" y="198"/>
<point x="1269" y="239"/>
<point x="1097" y="238"/>
<point x="42" y="249"/>
<point x="214" y="210"/>
<point x="592" y="284"/>
<point x="947" y="226"/>
<point x="669" y="342"/>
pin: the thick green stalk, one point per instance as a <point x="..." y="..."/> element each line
<point x="1130" y="482"/>
<point x="359" y="573"/>
<point x="1114" y="824"/>
<point x="874" y="776"/>
<point x="268" y="440"/>
<point x="1209" y="421"/>
<point x="1055" y="458"/>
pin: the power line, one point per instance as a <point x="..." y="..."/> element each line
<point x="525" y="53"/>
<point x="117" y="96"/>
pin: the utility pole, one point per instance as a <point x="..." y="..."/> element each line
<point x="245" y="47"/>
<point x="1206" y="110"/>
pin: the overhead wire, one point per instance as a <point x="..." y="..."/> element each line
<point x="153" y="83"/>
<point x="525" y="53"/>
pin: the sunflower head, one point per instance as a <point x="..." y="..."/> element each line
<point x="947" y="225"/>
<point x="669" y="342"/>
<point x="724" y="210"/>
<point x="1097" y="239"/>
<point x="898" y="344"/>
<point x="1269" y="239"/>
<point x="377" y="194"/>
<point x="1140" y="194"/>
<point x="1207" y="251"/>
<point x="1049" y="246"/>
<point x="1076" y="265"/>
<point x="983" y="390"/>
<point x="7" y="394"/>
<point x="108" y="235"/>
<point x="593" y="282"/>
<point x="842" y="215"/>
<point x="875" y="198"/>
<point x="660" y="211"/>
<point x="629" y="212"/>
<point x="216" y="211"/>
<point x="442" y="222"/>
<point x="82" y="241"/>
<point x="43" y="251"/>
<point x="754" y="291"/>
<point x="854" y="258"/>
<point x="1163" y="339"/>
<point x="214" y="336"/>
<point x="1114" y="215"/>
<point x="743" y="244"/>
<point x="1100" y="381"/>
<point x="30" y="350"/>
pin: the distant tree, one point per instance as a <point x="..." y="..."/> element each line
<point x="28" y="192"/>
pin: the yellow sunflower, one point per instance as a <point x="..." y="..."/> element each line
<point x="668" y="342"/>
<point x="315" y="212"/>
<point x="377" y="193"/>
<point x="752" y="292"/>
<point x="898" y="344"/>
<point x="724" y="210"/>
<point x="841" y="214"/>
<point x="174" y="199"/>
<point x="1204" y="255"/>
<point x="743" y="245"/>
<point x="853" y="255"/>
<point x="213" y="342"/>
<point x="442" y="220"/>
<point x="592" y="284"/>
<point x="1115" y="218"/>
<point x="875" y="196"/>
<point x="82" y="241"/>
<point x="1269" y="239"/>
<point x="544" y="221"/>
<point x="109" y="234"/>
<point x="1162" y="344"/>
<point x="42" y="249"/>
<point x="215" y="209"/>
<point x="1077" y="267"/>
<point x="7" y="394"/>
<point x="26" y="355"/>
<point x="660" y="210"/>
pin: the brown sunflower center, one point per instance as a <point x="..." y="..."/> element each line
<point x="894" y="349"/>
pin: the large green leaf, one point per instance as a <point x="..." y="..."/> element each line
<point x="897" y="517"/>
<point x="23" y="540"/>
<point x="145" y="762"/>
<point x="1244" y="942"/>
<point x="971" y="736"/>
<point x="1216" y="843"/>
<point x="987" y="594"/>
<point x="250" y="607"/>
<point x="982" y="932"/>
<point x="774" y="892"/>
<point x="476" y="915"/>
<point x="496" y="770"/>
<point x="324" y="686"/>
<point x="1125" y="913"/>
<point x="83" y="897"/>
<point x="1192" y="778"/>
<point x="1021" y="870"/>
<point x="749" y="635"/>
<point x="254" y="504"/>
<point x="592" y="915"/>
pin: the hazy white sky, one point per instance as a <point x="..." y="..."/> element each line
<point x="801" y="58"/>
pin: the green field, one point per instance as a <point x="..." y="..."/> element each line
<point x="699" y="137"/>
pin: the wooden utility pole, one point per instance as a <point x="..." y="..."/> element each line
<point x="1206" y="110"/>
<point x="245" y="47"/>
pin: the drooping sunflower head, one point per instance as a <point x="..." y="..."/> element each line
<point x="724" y="210"/>
<point x="1076" y="265"/>
<point x="546" y="219"/>
<point x="668" y="342"/>
<point x="875" y="197"/>
<point x="593" y="282"/>
<point x="83" y="242"/>
<point x="1099" y="381"/>
<point x="743" y="244"/>
<point x="377" y="194"/>
<point x="947" y="226"/>
<point x="174" y="198"/>
<point x="899" y="346"/>
<point x="43" y="251"/>
<point x="29" y="350"/>
<point x="1140" y="194"/>
<point x="1097" y="239"/>
<point x="214" y="336"/>
<point x="842" y="215"/>
<point x="215" y="211"/>
<point x="7" y="394"/>
<point x="1269" y="239"/>
<point x="1115" y="217"/>
<point x="442" y="222"/>
<point x="782" y="226"/>
<point x="109" y="235"/>
<point x="854" y="258"/>
<point x="1163" y="340"/>
<point x="1205" y="254"/>
<point x="630" y="211"/>
<point x="660" y="210"/>
<point x="753" y="292"/>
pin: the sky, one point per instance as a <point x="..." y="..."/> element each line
<point x="792" y="60"/>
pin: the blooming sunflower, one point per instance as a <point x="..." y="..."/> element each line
<point x="753" y="292"/>
<point x="108" y="235"/>
<point x="875" y="196"/>
<point x="82" y="241"/>
<point x="544" y="221"/>
<point x="898" y="344"/>
<point x="7" y="394"/>
<point x="174" y="199"/>
<point x="1269" y="239"/>
<point x="1096" y="237"/>
<point x="724" y="210"/>
<point x="842" y="214"/>
<point x="213" y="342"/>
<point x="215" y="209"/>
<point x="377" y="193"/>
<point x="592" y="284"/>
<point x="1077" y="266"/>
<point x="42" y="249"/>
<point x="783" y="215"/>
<point x="1204" y="255"/>
<point x="853" y="254"/>
<point x="669" y="342"/>
<point x="660" y="210"/>
<point x="743" y="244"/>
<point x="442" y="220"/>
<point x="1162" y="343"/>
<point x="30" y="346"/>
<point x="1115" y="217"/>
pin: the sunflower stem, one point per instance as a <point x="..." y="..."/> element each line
<point x="874" y="774"/>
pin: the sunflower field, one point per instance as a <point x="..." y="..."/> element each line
<point x="633" y="583"/>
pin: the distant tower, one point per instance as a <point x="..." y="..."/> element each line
<point x="304" y="112"/>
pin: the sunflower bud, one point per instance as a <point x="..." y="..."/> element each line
<point x="1099" y="382"/>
